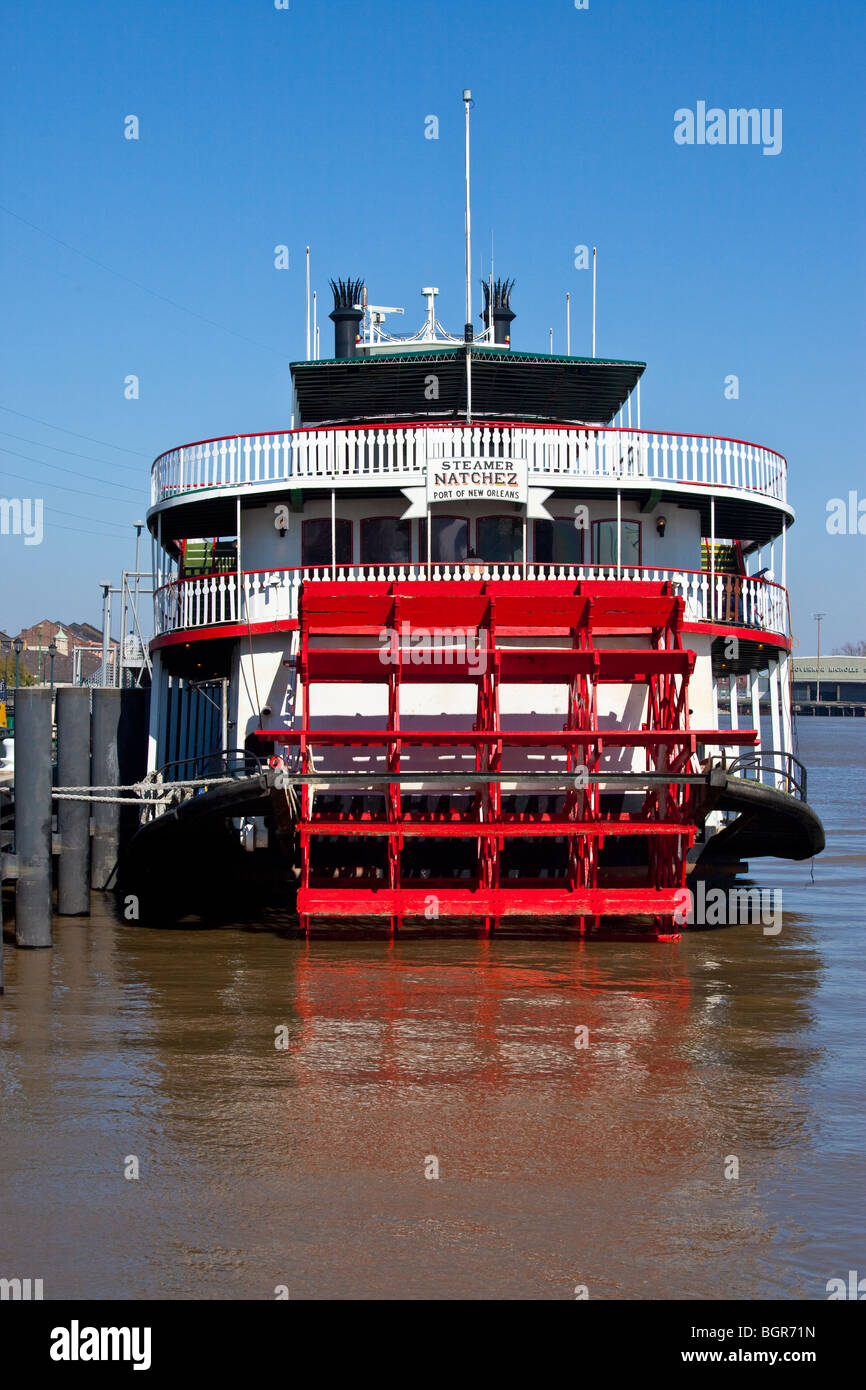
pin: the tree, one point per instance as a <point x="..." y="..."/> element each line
<point x="7" y="672"/>
<point x="851" y="649"/>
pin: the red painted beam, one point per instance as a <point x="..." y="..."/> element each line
<point x="347" y="901"/>
<point x="472" y="830"/>
<point x="529" y="738"/>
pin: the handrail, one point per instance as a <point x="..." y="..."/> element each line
<point x="272" y="594"/>
<point x="226" y="762"/>
<point x="794" y="773"/>
<point x="403" y="451"/>
<point x="473" y="564"/>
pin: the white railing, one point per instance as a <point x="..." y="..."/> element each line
<point x="263" y="596"/>
<point x="401" y="453"/>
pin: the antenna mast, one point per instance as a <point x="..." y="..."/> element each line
<point x="308" y="303"/>
<point x="593" y="301"/>
<point x="467" y="102"/>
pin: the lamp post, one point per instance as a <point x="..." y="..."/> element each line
<point x="52" y="652"/>
<point x="105" y="586"/>
<point x="818" y="617"/>
<point x="19" y="647"/>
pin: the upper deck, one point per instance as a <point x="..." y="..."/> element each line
<point x="748" y="481"/>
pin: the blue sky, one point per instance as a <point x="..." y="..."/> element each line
<point x="260" y="127"/>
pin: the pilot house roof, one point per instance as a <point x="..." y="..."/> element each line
<point x="505" y="386"/>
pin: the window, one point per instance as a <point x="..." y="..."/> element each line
<point x="385" y="540"/>
<point x="316" y="542"/>
<point x="449" y="541"/>
<point x="558" y="542"/>
<point x="499" y="539"/>
<point x="604" y="542"/>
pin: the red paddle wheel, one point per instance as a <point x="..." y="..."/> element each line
<point x="582" y="636"/>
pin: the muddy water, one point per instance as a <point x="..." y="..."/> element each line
<point x="559" y="1166"/>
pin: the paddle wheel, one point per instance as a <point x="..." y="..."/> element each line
<point x="474" y="827"/>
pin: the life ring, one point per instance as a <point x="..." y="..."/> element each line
<point x="275" y="761"/>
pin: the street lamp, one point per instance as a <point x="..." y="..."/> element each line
<point x="818" y="617"/>
<point x="105" y="586"/>
<point x="19" y="647"/>
<point x="52" y="652"/>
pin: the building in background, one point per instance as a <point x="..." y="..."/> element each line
<point x="836" y="686"/>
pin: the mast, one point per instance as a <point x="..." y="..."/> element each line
<point x="467" y="102"/>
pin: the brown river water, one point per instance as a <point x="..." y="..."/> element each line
<point x="559" y="1166"/>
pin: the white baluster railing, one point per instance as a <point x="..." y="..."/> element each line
<point x="272" y="595"/>
<point x="401" y="453"/>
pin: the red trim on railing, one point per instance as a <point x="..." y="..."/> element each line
<point x="184" y="636"/>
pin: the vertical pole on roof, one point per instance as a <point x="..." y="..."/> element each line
<point x="593" y="298"/>
<point x="315" y="323"/>
<point x="308" y="303"/>
<point x="568" y="325"/>
<point x="467" y="102"/>
<point x="333" y="534"/>
<point x="551" y="342"/>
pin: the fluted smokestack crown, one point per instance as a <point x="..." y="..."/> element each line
<point x="345" y="317"/>
<point x="497" y="298"/>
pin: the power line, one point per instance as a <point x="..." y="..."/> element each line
<point x="55" y="448"/>
<point x="82" y="492"/>
<point x="101" y="534"/>
<point x="103" y="521"/>
<point x="76" y="472"/>
<point x="90" y="440"/>
<point x="212" y="323"/>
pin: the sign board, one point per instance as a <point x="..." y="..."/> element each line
<point x="850" y="668"/>
<point x="476" y="480"/>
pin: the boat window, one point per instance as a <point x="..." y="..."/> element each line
<point x="316" y="542"/>
<point x="449" y="540"/>
<point x="499" y="539"/>
<point x="558" y="542"/>
<point x="385" y="540"/>
<point x="604" y="542"/>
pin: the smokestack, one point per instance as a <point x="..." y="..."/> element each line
<point x="346" y="318"/>
<point x="501" y="307"/>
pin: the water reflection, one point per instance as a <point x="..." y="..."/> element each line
<point x="559" y="1165"/>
